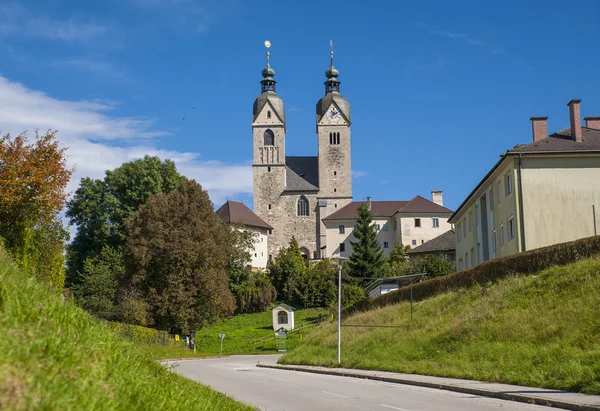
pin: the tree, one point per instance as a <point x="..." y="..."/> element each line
<point x="100" y="208"/>
<point x="255" y="293"/>
<point x="176" y="255"/>
<point x="97" y="289"/>
<point x="317" y="285"/>
<point x="433" y="265"/>
<point x="33" y="178"/>
<point x="289" y="265"/>
<point x="367" y="258"/>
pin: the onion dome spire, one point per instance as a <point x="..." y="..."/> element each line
<point x="268" y="82"/>
<point x="332" y="84"/>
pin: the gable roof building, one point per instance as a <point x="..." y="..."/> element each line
<point x="536" y="194"/>
<point x="407" y="222"/>
<point x="443" y="245"/>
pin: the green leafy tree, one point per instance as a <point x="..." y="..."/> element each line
<point x="433" y="265"/>
<point x="352" y="293"/>
<point x="100" y="208"/>
<point x="97" y="289"/>
<point x="317" y="285"/>
<point x="177" y="253"/>
<point x="367" y="258"/>
<point x="255" y="293"/>
<point x="284" y="271"/>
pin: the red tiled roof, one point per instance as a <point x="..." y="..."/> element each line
<point x="236" y="212"/>
<point x="389" y="208"/>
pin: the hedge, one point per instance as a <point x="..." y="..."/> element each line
<point x="524" y="263"/>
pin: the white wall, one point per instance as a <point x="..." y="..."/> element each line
<point x="290" y="324"/>
<point x="415" y="236"/>
<point x="260" y="255"/>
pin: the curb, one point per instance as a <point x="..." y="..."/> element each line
<point x="465" y="390"/>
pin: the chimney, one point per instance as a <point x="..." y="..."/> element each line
<point x="369" y="203"/>
<point x="436" y="197"/>
<point x="592" y="122"/>
<point x="539" y="127"/>
<point x="575" y="115"/>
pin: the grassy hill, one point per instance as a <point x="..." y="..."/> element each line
<point x="541" y="330"/>
<point x="55" y="356"/>
<point x="244" y="334"/>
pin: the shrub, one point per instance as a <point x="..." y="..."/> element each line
<point x="492" y="270"/>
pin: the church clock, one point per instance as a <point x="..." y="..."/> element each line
<point x="333" y="114"/>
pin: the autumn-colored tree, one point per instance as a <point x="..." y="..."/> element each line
<point x="99" y="208"/>
<point x="33" y="178"/>
<point x="177" y="252"/>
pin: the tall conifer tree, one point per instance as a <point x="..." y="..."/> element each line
<point x="367" y="256"/>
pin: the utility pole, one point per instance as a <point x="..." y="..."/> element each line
<point x="339" y="325"/>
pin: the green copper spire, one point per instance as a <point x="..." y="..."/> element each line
<point x="268" y="82"/>
<point x="332" y="84"/>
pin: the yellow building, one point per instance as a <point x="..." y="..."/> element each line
<point x="537" y="194"/>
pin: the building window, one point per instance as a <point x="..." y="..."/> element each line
<point x="472" y="258"/>
<point x="355" y="225"/>
<point x="335" y="173"/>
<point x="335" y="190"/>
<point x="268" y="114"/>
<point x="510" y="228"/>
<point x="342" y="247"/>
<point x="334" y="138"/>
<point x="269" y="169"/>
<point x="262" y="254"/>
<point x="436" y="222"/>
<point x="385" y="227"/>
<point x="508" y="184"/>
<point x="303" y="206"/>
<point x="458" y="233"/>
<point x="491" y="199"/>
<point x="494" y="240"/>
<point x="342" y="229"/>
<point x="470" y="222"/>
<point x="269" y="138"/>
<point x="282" y="317"/>
<point x="499" y="191"/>
<point x="501" y="235"/>
<point x="422" y="241"/>
<point x="269" y="206"/>
<point x="255" y="255"/>
<point x="414" y="242"/>
<point x="464" y="226"/>
<point x="386" y="244"/>
<point x="460" y="264"/>
<point x="467" y="259"/>
<point x="417" y="222"/>
<point x="377" y="227"/>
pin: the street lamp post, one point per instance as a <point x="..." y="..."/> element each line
<point x="339" y="325"/>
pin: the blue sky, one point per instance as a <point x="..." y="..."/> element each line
<point x="438" y="89"/>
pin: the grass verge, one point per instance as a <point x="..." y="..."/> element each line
<point x="241" y="335"/>
<point x="53" y="355"/>
<point x="541" y="330"/>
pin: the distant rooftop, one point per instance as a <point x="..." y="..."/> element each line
<point x="236" y="212"/>
<point x="443" y="242"/>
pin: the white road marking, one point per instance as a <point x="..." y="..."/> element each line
<point x="333" y="393"/>
<point x="393" y="408"/>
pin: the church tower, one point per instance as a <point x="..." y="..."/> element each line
<point x="333" y="129"/>
<point x="268" y="129"/>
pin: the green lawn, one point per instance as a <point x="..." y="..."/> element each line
<point x="541" y="330"/>
<point x="55" y="356"/>
<point x="242" y="333"/>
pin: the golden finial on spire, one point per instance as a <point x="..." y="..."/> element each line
<point x="268" y="46"/>
<point x="331" y="51"/>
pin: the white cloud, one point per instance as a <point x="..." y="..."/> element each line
<point x="91" y="135"/>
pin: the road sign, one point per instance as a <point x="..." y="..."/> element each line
<point x="221" y="336"/>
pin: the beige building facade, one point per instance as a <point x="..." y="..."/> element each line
<point x="292" y="194"/>
<point x="410" y="223"/>
<point x="537" y="194"/>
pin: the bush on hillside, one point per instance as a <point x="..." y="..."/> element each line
<point x="255" y="293"/>
<point x="492" y="270"/>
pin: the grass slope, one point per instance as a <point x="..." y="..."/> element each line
<point x="241" y="331"/>
<point x="541" y="330"/>
<point x="55" y="356"/>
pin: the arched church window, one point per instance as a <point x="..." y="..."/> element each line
<point x="268" y="114"/>
<point x="269" y="138"/>
<point x="303" y="206"/>
<point x="282" y="317"/>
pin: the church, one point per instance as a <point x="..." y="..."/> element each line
<point x="310" y="198"/>
<point x="294" y="194"/>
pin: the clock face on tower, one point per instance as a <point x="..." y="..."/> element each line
<point x="333" y="114"/>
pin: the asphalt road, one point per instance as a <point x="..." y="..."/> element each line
<point x="275" y="390"/>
